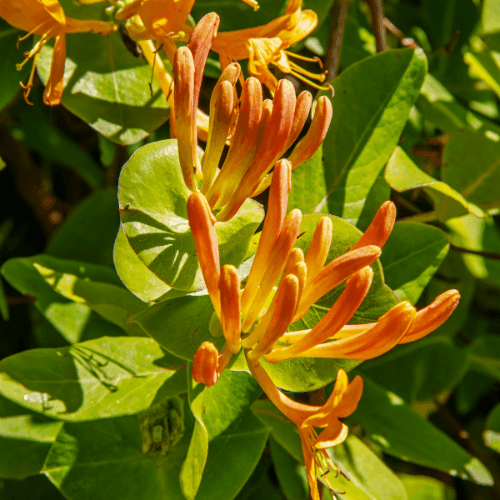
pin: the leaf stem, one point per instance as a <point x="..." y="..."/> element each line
<point x="486" y="255"/>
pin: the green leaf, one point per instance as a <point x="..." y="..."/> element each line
<point x="180" y="325"/>
<point x="419" y="371"/>
<point x="481" y="235"/>
<point x="470" y="165"/>
<point x="34" y="125"/>
<point x="452" y="274"/>
<point x="4" y="307"/>
<point x="440" y="107"/>
<point x="308" y="184"/>
<point x="471" y="390"/>
<point x="411" y="256"/>
<point x="491" y="434"/>
<point x="38" y="487"/>
<point x="102" y="378"/>
<point x="104" y="460"/>
<point x="217" y="409"/>
<point x="369" y="116"/>
<point x="484" y="355"/>
<point x="75" y="321"/>
<point x="25" y="440"/>
<point x="426" y="488"/>
<point x="261" y="485"/>
<point x="113" y="303"/>
<point x="88" y="234"/>
<point x="9" y="58"/>
<point x="401" y="432"/>
<point x="402" y="175"/>
<point x="369" y="477"/>
<point x="483" y="64"/>
<point x="292" y="476"/>
<point x="105" y="85"/>
<point x="134" y="274"/>
<point x="153" y="200"/>
<point x="233" y="456"/>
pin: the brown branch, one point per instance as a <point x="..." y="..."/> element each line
<point x="338" y="15"/>
<point x="405" y="41"/>
<point x="377" y="12"/>
<point x="486" y="255"/>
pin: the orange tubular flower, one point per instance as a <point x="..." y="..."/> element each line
<point x="46" y="18"/>
<point x="257" y="319"/>
<point x="267" y="44"/>
<point x="259" y="132"/>
<point x="342" y="402"/>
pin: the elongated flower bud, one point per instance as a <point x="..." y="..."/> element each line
<point x="185" y="118"/>
<point x="284" y="305"/>
<point x="230" y="307"/>
<point x="386" y="333"/>
<point x="220" y="122"/>
<point x="244" y="140"/>
<point x="380" y="228"/>
<point x="205" y="364"/>
<point x="315" y="135"/>
<point x="342" y="311"/>
<point x="319" y="247"/>
<point x="269" y="150"/>
<point x="202" y="224"/>
<point x="274" y="267"/>
<point x="433" y="316"/>
<point x="278" y="199"/>
<point x="334" y="273"/>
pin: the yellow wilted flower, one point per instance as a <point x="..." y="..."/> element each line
<point x="266" y="45"/>
<point x="46" y="18"/>
<point x="259" y="131"/>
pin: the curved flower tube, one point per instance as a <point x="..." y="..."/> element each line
<point x="46" y="18"/>
<point x="259" y="131"/>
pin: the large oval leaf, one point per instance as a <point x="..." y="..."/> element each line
<point x="102" y="378"/>
<point x="153" y="199"/>
<point x="372" y="102"/>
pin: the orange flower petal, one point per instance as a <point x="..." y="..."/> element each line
<point x="319" y="248"/>
<point x="273" y="223"/>
<point x="315" y="135"/>
<point x="433" y="316"/>
<point x="335" y="273"/>
<point x="205" y="364"/>
<point x="54" y="88"/>
<point x="386" y="333"/>
<point x="230" y="307"/>
<point x="202" y="224"/>
<point x="380" y="228"/>
<point x="281" y="312"/>
<point x="341" y="312"/>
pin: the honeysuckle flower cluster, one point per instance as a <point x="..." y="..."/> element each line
<point x="259" y="131"/>
<point x="46" y="18"/>
<point x="283" y="283"/>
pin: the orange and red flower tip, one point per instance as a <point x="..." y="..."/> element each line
<point x="205" y="364"/>
<point x="335" y="273"/>
<point x="47" y="18"/>
<point x="380" y="228"/>
<point x="433" y="316"/>
<point x="202" y="224"/>
<point x="230" y="307"/>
